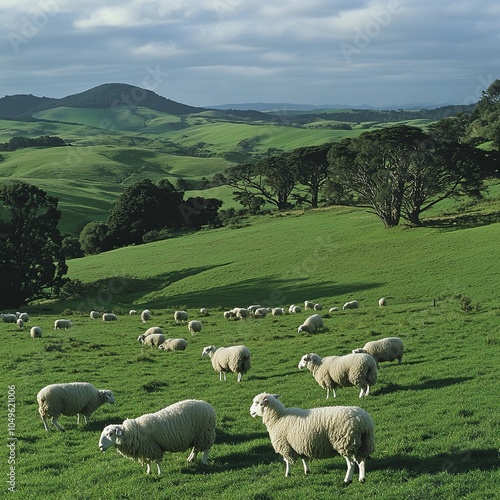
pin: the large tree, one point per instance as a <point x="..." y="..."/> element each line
<point x="32" y="262"/>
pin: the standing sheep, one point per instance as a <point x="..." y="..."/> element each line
<point x="235" y="359"/>
<point x="155" y="339"/>
<point x="387" y="349"/>
<point x="308" y="304"/>
<point x="322" y="432"/>
<point x="35" y="332"/>
<point x="204" y="312"/>
<point x="186" y="424"/>
<point x="352" y="304"/>
<point x="382" y="302"/>
<point x="62" y="323"/>
<point x="194" y="326"/>
<point x="109" y="317"/>
<point x="152" y="330"/>
<point x="239" y="312"/>
<point x="24" y="316"/>
<point x="94" y="315"/>
<point x="261" y="312"/>
<point x="9" y="318"/>
<point x="277" y="311"/>
<point x="311" y="324"/>
<point x="76" y="398"/>
<point x="145" y="315"/>
<point x="180" y="316"/>
<point x="20" y="323"/>
<point x="173" y="345"/>
<point x="332" y="372"/>
<point x="132" y="312"/>
<point x="293" y="309"/>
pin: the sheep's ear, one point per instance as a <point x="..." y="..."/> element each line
<point x="118" y="431"/>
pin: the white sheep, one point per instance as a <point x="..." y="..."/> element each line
<point x="333" y="309"/>
<point x="308" y="304"/>
<point x="20" y="323"/>
<point x="204" y="311"/>
<point x="155" y="339"/>
<point x="277" y="311"/>
<point x="322" y="432"/>
<point x="180" y="316"/>
<point x="311" y="324"/>
<point x="318" y="307"/>
<point x="59" y="324"/>
<point x="239" y="312"/>
<point x="35" y="332"/>
<point x="24" y="316"/>
<point x="253" y="308"/>
<point x="145" y="315"/>
<point x="9" y="318"/>
<point x="173" y="345"/>
<point x="194" y="326"/>
<point x="352" y="304"/>
<point x="293" y="309"/>
<point x="186" y="424"/>
<point x="332" y="372"/>
<point x="228" y="314"/>
<point x="386" y="349"/>
<point x="152" y="330"/>
<point x="235" y="359"/>
<point x="94" y="315"/>
<point x="132" y="312"/>
<point x="75" y="398"/>
<point x="382" y="302"/>
<point x="109" y="317"/>
<point x="261" y="312"/>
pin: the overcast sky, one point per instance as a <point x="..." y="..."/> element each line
<point x="207" y="52"/>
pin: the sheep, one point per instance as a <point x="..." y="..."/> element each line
<point x="204" y="312"/>
<point x="293" y="309"/>
<point x="240" y="312"/>
<point x="132" y="312"/>
<point x="194" y="326"/>
<point x="24" y="316"/>
<point x="322" y="432"/>
<point x="145" y="315"/>
<point x="253" y="308"/>
<point x="180" y="316"/>
<point x="173" y="345"/>
<point x="235" y="359"/>
<point x="20" y="323"/>
<point x="386" y="349"/>
<point x="228" y="314"/>
<point x="333" y="309"/>
<point x="9" y="318"/>
<point x="382" y="302"/>
<point x="35" y="332"/>
<point x="261" y="312"/>
<point x="318" y="307"/>
<point x="59" y="324"/>
<point x="353" y="304"/>
<point x="182" y="425"/>
<point x="94" y="315"/>
<point x="75" y="398"/>
<point x="153" y="329"/>
<point x="277" y="311"/>
<point x="308" y="304"/>
<point x="155" y="339"/>
<point x="311" y="324"/>
<point x="109" y="317"/>
<point x="350" y="370"/>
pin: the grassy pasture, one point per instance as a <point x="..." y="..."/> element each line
<point x="436" y="414"/>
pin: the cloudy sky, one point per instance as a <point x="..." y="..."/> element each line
<point x="207" y="52"/>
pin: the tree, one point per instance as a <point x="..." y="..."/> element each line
<point x="93" y="238"/>
<point x="311" y="168"/>
<point x="72" y="247"/>
<point x="32" y="262"/>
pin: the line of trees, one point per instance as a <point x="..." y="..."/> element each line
<point x="20" y="142"/>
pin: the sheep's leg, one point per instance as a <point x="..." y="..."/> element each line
<point x="287" y="468"/>
<point x="192" y="455"/>
<point x="350" y="470"/>
<point x="306" y="467"/>
<point x="57" y="424"/>
<point x="45" y="423"/>
<point x="327" y="392"/>
<point x="367" y="390"/>
<point x="362" y="473"/>
<point x="334" y="393"/>
<point x="240" y="376"/>
<point x="158" y="465"/>
<point x="224" y="376"/>
<point x="220" y="376"/>
<point x="205" y="457"/>
<point x="148" y="468"/>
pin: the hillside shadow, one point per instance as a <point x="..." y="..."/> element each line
<point x="428" y="384"/>
<point x="464" y="221"/>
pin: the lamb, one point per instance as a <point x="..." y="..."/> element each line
<point x="59" y="324"/>
<point x="94" y="315"/>
<point x="322" y="432"/>
<point x="382" y="302"/>
<point x="20" y="323"/>
<point x="353" y="304"/>
<point x="155" y="339"/>
<point x="173" y="345"/>
<point x="145" y="315"/>
<point x="332" y="372"/>
<point x="182" y="425"/>
<point x="109" y="317"/>
<point x="235" y="359"/>
<point x="76" y="398"/>
<point x="194" y="326"/>
<point x="9" y="318"/>
<point x="308" y="304"/>
<point x="293" y="309"/>
<point x="386" y="349"/>
<point x="24" y="316"/>
<point x="35" y="332"/>
<point x="180" y="316"/>
<point x="239" y="312"/>
<point x="311" y="324"/>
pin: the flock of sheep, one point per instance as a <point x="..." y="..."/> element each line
<point x="294" y="432"/>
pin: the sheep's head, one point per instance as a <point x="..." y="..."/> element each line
<point x="359" y="350"/>
<point x="260" y="402"/>
<point x="208" y="351"/>
<point x="110" y="436"/>
<point x="308" y="360"/>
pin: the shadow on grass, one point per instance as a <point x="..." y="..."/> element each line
<point x="428" y="384"/>
<point x="464" y="221"/>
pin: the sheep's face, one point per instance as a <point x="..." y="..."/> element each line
<point x="208" y="351"/>
<point x="260" y="403"/>
<point x="110" y="436"/>
<point x="359" y="350"/>
<point x="304" y="361"/>
<point x="109" y="397"/>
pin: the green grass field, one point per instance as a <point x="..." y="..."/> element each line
<point x="436" y="414"/>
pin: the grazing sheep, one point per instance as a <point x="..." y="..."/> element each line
<point x="311" y="324"/>
<point x="332" y="372"/>
<point x="277" y="311"/>
<point x="153" y="329"/>
<point x="204" y="312"/>
<point x="194" y="326"/>
<point x="59" y="324"/>
<point x="20" y="323"/>
<point x="173" y="345"/>
<point x="228" y="314"/>
<point x="387" y="349"/>
<point x="322" y="432"/>
<point x="76" y="398"/>
<point x="239" y="312"/>
<point x="186" y="424"/>
<point x="145" y="315"/>
<point x="9" y="318"/>
<point x="382" y="302"/>
<point x="94" y="315"/>
<point x="155" y="339"/>
<point x="180" y="316"/>
<point x="333" y="309"/>
<point x="308" y="304"/>
<point x="109" y="317"/>
<point x="235" y="359"/>
<point x="35" y="332"/>
<point x="293" y="309"/>
<point x="24" y="316"/>
<point x="253" y="308"/>
<point x="261" y="312"/>
<point x="318" y="307"/>
<point x="353" y="304"/>
<point x="132" y="312"/>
